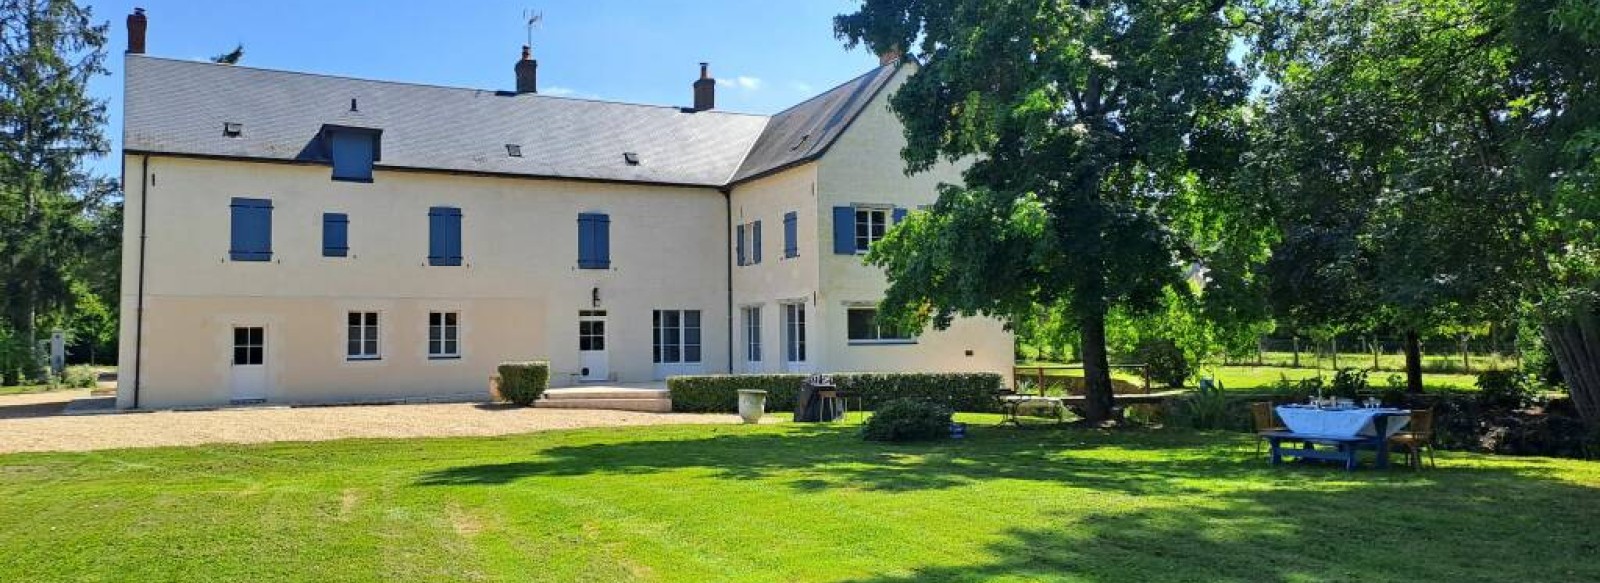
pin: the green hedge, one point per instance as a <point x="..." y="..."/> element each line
<point x="974" y="392"/>
<point x="523" y="382"/>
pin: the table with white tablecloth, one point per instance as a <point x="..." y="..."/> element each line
<point x="1351" y="422"/>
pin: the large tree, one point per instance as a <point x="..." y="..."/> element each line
<point x="1084" y="123"/>
<point x="49" y="49"/>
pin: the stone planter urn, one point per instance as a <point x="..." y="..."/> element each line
<point x="752" y="405"/>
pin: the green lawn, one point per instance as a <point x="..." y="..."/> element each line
<point x="787" y="503"/>
<point x="25" y="389"/>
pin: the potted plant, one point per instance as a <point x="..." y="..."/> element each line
<point x="752" y="405"/>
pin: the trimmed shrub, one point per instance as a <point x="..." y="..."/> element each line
<point x="973" y="392"/>
<point x="80" y="377"/>
<point x="1168" y="365"/>
<point x="1505" y="389"/>
<point x="908" y="419"/>
<point x="523" y="383"/>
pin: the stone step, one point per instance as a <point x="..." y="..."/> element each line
<point x="652" y="405"/>
<point x="604" y="393"/>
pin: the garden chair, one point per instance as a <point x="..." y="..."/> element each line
<point x="1417" y="437"/>
<point x="1265" y="421"/>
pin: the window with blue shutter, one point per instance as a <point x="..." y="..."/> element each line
<point x="844" y="230"/>
<point x="791" y="235"/>
<point x="335" y="235"/>
<point x="594" y="241"/>
<point x="444" y="236"/>
<point x="251" y="229"/>
<point x="755" y="243"/>
<point x="738" y="245"/>
<point x="899" y="215"/>
<point x="353" y="153"/>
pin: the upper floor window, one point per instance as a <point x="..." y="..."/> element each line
<point x="335" y="235"/>
<point x="352" y="151"/>
<point x="444" y="236"/>
<point x="863" y="327"/>
<point x="251" y="229"/>
<point x="594" y="241"/>
<point x="856" y="228"/>
<point x="748" y="244"/>
<point x="791" y="235"/>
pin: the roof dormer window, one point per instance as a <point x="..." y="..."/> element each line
<point x="352" y="151"/>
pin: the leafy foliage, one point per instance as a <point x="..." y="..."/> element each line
<point x="1079" y="120"/>
<point x="908" y="420"/>
<point x="523" y="383"/>
<point x="1167" y="363"/>
<point x="969" y="392"/>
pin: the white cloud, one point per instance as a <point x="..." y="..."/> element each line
<point x="559" y="91"/>
<point x="801" y="87"/>
<point x="744" y="82"/>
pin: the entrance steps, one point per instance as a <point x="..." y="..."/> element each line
<point x="649" y="400"/>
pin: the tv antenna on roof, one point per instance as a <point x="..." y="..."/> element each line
<point x="533" y="19"/>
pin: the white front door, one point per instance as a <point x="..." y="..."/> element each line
<point x="794" y="338"/>
<point x="247" y="378"/>
<point x="593" y="363"/>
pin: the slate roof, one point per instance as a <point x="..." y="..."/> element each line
<point x="180" y="107"/>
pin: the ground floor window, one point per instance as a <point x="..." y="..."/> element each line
<point x="794" y="332"/>
<point x="863" y="327"/>
<point x="752" y="333"/>
<point x="677" y="336"/>
<point x="444" y="335"/>
<point x="361" y="334"/>
<point x="249" y="345"/>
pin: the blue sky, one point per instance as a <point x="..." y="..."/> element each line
<point x="766" y="55"/>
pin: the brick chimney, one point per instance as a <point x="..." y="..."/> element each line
<point x="889" y="55"/>
<point x="705" y="90"/>
<point x="527" y="72"/>
<point x="136" y="27"/>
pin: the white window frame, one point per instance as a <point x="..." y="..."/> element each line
<point x="877" y="330"/>
<point x="658" y="332"/>
<point x="794" y="332"/>
<point x="752" y="333"/>
<point x="875" y="216"/>
<point x="364" y="334"/>
<point x="448" y="332"/>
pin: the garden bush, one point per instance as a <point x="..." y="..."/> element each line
<point x="523" y="383"/>
<point x="80" y="377"/>
<point x="972" y="392"/>
<point x="908" y="419"/>
<point x="1349" y="383"/>
<point x="1167" y="363"/>
<point x="1505" y="389"/>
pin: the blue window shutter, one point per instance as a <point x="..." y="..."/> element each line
<point x="352" y="156"/>
<point x="738" y="245"/>
<point x="755" y="242"/>
<point x="791" y="234"/>
<point x="444" y="236"/>
<point x="844" y="230"/>
<point x="594" y="241"/>
<point x="335" y="235"/>
<point x="899" y="215"/>
<point x="251" y="222"/>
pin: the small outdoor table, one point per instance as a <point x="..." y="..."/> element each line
<point x="1347" y="429"/>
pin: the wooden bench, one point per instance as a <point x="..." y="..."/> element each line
<point x="1344" y="447"/>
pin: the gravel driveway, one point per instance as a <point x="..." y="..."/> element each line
<point x="30" y="423"/>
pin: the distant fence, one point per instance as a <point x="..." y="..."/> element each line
<point x="1379" y="353"/>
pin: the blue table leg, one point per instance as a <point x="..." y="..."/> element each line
<point x="1277" y="454"/>
<point x="1381" y="424"/>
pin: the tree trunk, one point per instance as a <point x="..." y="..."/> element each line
<point x="1097" y="398"/>
<point x="1466" y="361"/>
<point x="1335" y="344"/>
<point x="1575" y="343"/>
<point x="1413" y="362"/>
<point x="1296" y="352"/>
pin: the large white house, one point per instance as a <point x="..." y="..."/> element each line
<point x="293" y="237"/>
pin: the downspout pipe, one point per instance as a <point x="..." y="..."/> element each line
<point x="727" y="250"/>
<point x="138" y="317"/>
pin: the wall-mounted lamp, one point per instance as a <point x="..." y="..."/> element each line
<point x="594" y="296"/>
